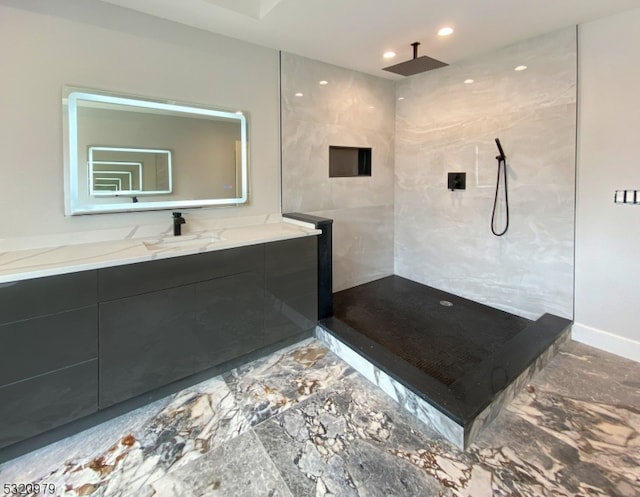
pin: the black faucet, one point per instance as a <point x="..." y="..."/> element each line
<point x="178" y="221"/>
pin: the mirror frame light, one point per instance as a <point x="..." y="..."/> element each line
<point x="139" y="192"/>
<point x="92" y="177"/>
<point x="72" y="204"/>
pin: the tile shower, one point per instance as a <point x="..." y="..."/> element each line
<point x="402" y="219"/>
<point x="355" y="110"/>
<point x="443" y="238"/>
<point x="444" y="120"/>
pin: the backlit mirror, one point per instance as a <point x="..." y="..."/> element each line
<point x="129" y="171"/>
<point x="128" y="153"/>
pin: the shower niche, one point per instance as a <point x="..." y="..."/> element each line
<point x="346" y="162"/>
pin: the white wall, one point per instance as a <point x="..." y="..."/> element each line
<point x="46" y="44"/>
<point x="607" y="293"/>
<point x="355" y="110"/>
<point x="442" y="238"/>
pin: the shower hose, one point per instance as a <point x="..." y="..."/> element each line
<point x="501" y="162"/>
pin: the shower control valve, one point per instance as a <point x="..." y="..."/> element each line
<point x="457" y="181"/>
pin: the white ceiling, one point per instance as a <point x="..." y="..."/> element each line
<point x="355" y="33"/>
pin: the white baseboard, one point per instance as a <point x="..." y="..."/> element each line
<point x="604" y="340"/>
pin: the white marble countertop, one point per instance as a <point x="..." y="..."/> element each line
<point x="16" y="265"/>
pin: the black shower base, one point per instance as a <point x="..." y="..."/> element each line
<point x="457" y="357"/>
<point x="439" y="333"/>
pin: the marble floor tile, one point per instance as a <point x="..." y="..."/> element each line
<point x="240" y="468"/>
<point x="586" y="373"/>
<point x="348" y="441"/>
<point x="314" y="427"/>
<point x="353" y="441"/>
<point x="271" y="385"/>
<point x="188" y="424"/>
<point x="84" y="446"/>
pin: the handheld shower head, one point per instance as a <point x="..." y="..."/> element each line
<point x="501" y="156"/>
<point x="502" y="167"/>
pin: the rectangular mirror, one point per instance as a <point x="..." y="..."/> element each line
<point x="127" y="153"/>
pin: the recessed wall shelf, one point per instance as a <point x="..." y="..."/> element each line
<point x="347" y="162"/>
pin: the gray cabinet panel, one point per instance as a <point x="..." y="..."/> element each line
<point x="39" y="345"/>
<point x="291" y="284"/>
<point x="151" y="324"/>
<point x="229" y="315"/>
<point x="37" y="297"/>
<point x="147" y="341"/>
<point x="135" y="279"/>
<point x="151" y="340"/>
<point x="34" y="406"/>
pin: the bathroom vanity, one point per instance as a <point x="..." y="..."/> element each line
<point x="81" y="336"/>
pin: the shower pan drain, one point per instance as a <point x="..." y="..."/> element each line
<point x="446" y="303"/>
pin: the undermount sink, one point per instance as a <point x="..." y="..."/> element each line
<point x="175" y="242"/>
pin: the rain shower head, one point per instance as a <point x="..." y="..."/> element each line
<point x="415" y="65"/>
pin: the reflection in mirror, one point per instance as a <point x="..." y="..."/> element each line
<point x="130" y="153"/>
<point x="129" y="171"/>
<point x="106" y="182"/>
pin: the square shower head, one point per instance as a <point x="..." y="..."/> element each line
<point x="415" y="66"/>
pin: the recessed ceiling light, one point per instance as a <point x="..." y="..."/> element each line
<point x="299" y="94"/>
<point x="446" y="31"/>
<point x="520" y="68"/>
<point x="400" y="98"/>
<point x="389" y="55"/>
<point x="323" y="82"/>
<point x="468" y="81"/>
<point x="239" y="112"/>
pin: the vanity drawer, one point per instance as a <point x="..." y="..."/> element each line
<point x="39" y="345"/>
<point x="229" y="314"/>
<point x="40" y="296"/>
<point x="135" y="279"/>
<point x="148" y="341"/>
<point x="31" y="407"/>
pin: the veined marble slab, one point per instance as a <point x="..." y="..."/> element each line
<point x="572" y="431"/>
<point x="60" y="257"/>
<point x="271" y="385"/>
<point x="407" y="399"/>
<point x="153" y="442"/>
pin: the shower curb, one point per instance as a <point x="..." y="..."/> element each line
<point x="461" y="411"/>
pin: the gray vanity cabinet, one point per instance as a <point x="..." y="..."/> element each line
<point x="77" y="343"/>
<point x="164" y="320"/>
<point x="146" y="341"/>
<point x="49" y="364"/>
<point x="229" y="316"/>
<point x="291" y="288"/>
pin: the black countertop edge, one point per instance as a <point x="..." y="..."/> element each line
<point x="477" y="389"/>
<point x="308" y="218"/>
<point x="427" y="388"/>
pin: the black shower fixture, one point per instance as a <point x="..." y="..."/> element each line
<point x="457" y="181"/>
<point x="502" y="167"/>
<point x="415" y="65"/>
<point x="500" y="157"/>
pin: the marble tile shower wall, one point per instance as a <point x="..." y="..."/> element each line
<point x="443" y="238"/>
<point x="353" y="109"/>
